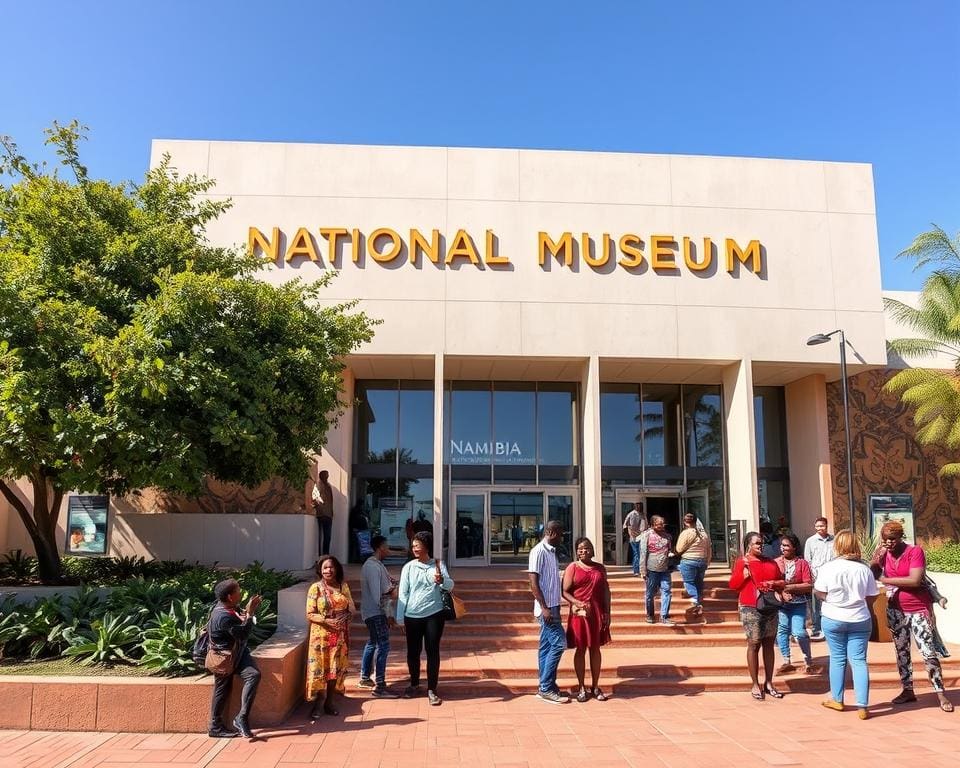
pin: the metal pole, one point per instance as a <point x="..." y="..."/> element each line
<point x="846" y="428"/>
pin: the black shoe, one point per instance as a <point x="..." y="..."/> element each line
<point x="382" y="692"/>
<point x="242" y="727"/>
<point x="222" y="733"/>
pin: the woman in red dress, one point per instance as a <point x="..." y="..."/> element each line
<point x="585" y="587"/>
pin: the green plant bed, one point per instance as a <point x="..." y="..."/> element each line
<point x="944" y="559"/>
<point x="65" y="666"/>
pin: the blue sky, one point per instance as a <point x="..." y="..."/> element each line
<point x="875" y="82"/>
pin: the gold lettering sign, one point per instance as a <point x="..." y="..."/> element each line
<point x="664" y="253"/>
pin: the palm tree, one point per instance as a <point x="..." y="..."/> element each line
<point x="934" y="394"/>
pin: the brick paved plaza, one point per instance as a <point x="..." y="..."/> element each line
<point x="712" y="729"/>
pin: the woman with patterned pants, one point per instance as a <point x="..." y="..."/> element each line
<point x="901" y="567"/>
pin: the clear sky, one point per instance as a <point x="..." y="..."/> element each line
<point x="875" y="82"/>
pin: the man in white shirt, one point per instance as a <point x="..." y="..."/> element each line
<point x="544" y="573"/>
<point x="818" y="551"/>
<point x="635" y="524"/>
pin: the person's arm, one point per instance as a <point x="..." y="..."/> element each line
<point x="804" y="583"/>
<point x="643" y="555"/>
<point x="316" y="609"/>
<point x="403" y="594"/>
<point x="684" y="541"/>
<point x="807" y="551"/>
<point x="447" y="582"/>
<point x="820" y="587"/>
<point x="739" y="575"/>
<point x="567" y="588"/>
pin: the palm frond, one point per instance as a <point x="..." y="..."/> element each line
<point x="933" y="247"/>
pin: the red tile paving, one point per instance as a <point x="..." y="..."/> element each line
<point x="656" y="731"/>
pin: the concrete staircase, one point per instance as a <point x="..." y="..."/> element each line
<point x="492" y="650"/>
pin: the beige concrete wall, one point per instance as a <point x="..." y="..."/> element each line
<point x="742" y="486"/>
<point x="808" y="453"/>
<point x="13" y="534"/>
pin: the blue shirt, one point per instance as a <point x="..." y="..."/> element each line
<point x="419" y="596"/>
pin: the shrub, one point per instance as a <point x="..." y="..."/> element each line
<point x="108" y="641"/>
<point x="945" y="558"/>
<point x="18" y="568"/>
<point x="168" y="643"/>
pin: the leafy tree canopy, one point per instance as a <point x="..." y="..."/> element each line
<point x="134" y="353"/>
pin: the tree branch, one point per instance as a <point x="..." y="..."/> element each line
<point x="15" y="502"/>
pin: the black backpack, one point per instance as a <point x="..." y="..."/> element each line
<point x="202" y="643"/>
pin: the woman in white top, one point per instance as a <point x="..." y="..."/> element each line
<point x="846" y="586"/>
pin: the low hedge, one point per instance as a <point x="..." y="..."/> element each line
<point x="944" y="559"/>
<point x="147" y="620"/>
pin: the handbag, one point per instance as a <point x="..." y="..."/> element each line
<point x="220" y="661"/>
<point x="453" y="606"/>
<point x="767" y="602"/>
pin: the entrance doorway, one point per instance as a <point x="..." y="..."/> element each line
<point x="497" y="525"/>
<point x="670" y="504"/>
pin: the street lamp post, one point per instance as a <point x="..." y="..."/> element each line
<point x="823" y="338"/>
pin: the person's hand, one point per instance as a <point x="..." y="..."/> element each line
<point x="403" y="629"/>
<point x="391" y="622"/>
<point x="548" y="617"/>
<point x="252" y="604"/>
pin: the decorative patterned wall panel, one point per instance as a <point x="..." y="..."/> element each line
<point x="887" y="459"/>
<point x="270" y="498"/>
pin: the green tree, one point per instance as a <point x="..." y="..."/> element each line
<point x="134" y="353"/>
<point x="934" y="394"/>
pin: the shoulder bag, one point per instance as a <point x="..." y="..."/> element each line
<point x="453" y="607"/>
<point x="218" y="661"/>
<point x="767" y="602"/>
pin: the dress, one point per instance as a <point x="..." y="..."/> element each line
<point x="588" y="586"/>
<point x="328" y="651"/>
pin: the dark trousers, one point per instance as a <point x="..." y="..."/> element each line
<point x="326" y="526"/>
<point x="424" y="633"/>
<point x="222" y="684"/>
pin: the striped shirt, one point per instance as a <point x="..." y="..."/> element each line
<point x="543" y="562"/>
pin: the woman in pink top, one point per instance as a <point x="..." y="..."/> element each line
<point x="901" y="567"/>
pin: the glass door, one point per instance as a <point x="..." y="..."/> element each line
<point x="516" y="525"/>
<point x="626" y="500"/>
<point x="468" y="534"/>
<point x="698" y="503"/>
<point x="562" y="507"/>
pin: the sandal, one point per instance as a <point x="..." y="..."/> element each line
<point x="904" y="697"/>
<point x="582" y="695"/>
<point x="773" y="691"/>
<point x="601" y="696"/>
<point x="946" y="705"/>
<point x="757" y="695"/>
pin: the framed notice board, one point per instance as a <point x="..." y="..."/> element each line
<point x="884" y="507"/>
<point x="88" y="520"/>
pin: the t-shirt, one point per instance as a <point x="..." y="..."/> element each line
<point x="908" y="599"/>
<point x="654" y="550"/>
<point x="374" y="585"/>
<point x="543" y="562"/>
<point x="848" y="584"/>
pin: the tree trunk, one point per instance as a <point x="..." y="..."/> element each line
<point x="42" y="524"/>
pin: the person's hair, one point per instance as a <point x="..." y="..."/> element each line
<point x="845" y="544"/>
<point x="891" y="528"/>
<point x="553" y="525"/>
<point x="821" y="520"/>
<point x="337" y="567"/>
<point x="376" y="541"/>
<point x="583" y="540"/>
<point x="323" y="474"/>
<point x="766" y="527"/>
<point x="425" y="538"/>
<point x="76" y="530"/>
<point x="225" y="588"/>
<point x="793" y="539"/>
<point x="690" y="518"/>
<point x="655" y="518"/>
<point x="746" y="540"/>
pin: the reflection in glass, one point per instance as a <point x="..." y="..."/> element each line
<point x="658" y="425"/>
<point x="377" y="424"/>
<point x="769" y="415"/>
<point x="619" y="424"/>
<point x="514" y="426"/>
<point x="416" y="422"/>
<point x="556" y="417"/>
<point x="775" y="503"/>
<point x="470" y="424"/>
<point x="716" y="522"/>
<point x="560" y="508"/>
<point x="703" y="421"/>
<point x="516" y="525"/>
<point x="469" y="524"/>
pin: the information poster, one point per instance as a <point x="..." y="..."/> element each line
<point x="394" y="514"/>
<point x="87" y="520"/>
<point x="884" y="507"/>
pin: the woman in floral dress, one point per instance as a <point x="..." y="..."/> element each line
<point x="329" y="610"/>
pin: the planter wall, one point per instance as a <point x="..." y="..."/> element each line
<point x="948" y="621"/>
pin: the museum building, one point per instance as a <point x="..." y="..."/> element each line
<point x="564" y="335"/>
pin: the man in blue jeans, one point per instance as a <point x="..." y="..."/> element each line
<point x="635" y="524"/>
<point x="376" y="589"/>
<point x="544" y="573"/>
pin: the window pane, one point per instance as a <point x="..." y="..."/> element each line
<point x="659" y="425"/>
<point x="703" y="418"/>
<point x="769" y="417"/>
<point x="514" y="425"/>
<point x="377" y="423"/>
<point x="619" y="420"/>
<point x="555" y="424"/>
<point x="470" y="436"/>
<point x="416" y="423"/>
<point x="775" y="503"/>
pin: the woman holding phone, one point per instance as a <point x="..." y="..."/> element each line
<point x="420" y="613"/>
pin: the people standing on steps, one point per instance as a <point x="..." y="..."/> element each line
<point x="635" y="524"/>
<point x="655" y="547"/>
<point x="695" y="551"/>
<point x="901" y="567"/>
<point x="818" y="550"/>
<point x="322" y="499"/>
<point x="377" y="589"/>
<point x="793" y="615"/>
<point x="543" y="572"/>
<point x="586" y="589"/>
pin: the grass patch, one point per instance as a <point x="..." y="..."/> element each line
<point x="65" y="666"/>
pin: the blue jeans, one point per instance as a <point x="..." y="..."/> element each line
<point x="692" y="572"/>
<point x="635" y="549"/>
<point x="815" y="603"/>
<point x="379" y="642"/>
<point x="662" y="580"/>
<point x="847" y="641"/>
<point x="553" y="642"/>
<point x="793" y="621"/>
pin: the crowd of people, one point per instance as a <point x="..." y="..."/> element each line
<point x="827" y="582"/>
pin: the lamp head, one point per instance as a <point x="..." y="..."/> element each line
<point x="817" y="338"/>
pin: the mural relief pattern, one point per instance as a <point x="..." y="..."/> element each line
<point x="887" y="459"/>
<point x="273" y="497"/>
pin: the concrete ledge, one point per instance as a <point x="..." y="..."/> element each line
<point x="153" y="704"/>
<point x="948" y="621"/>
